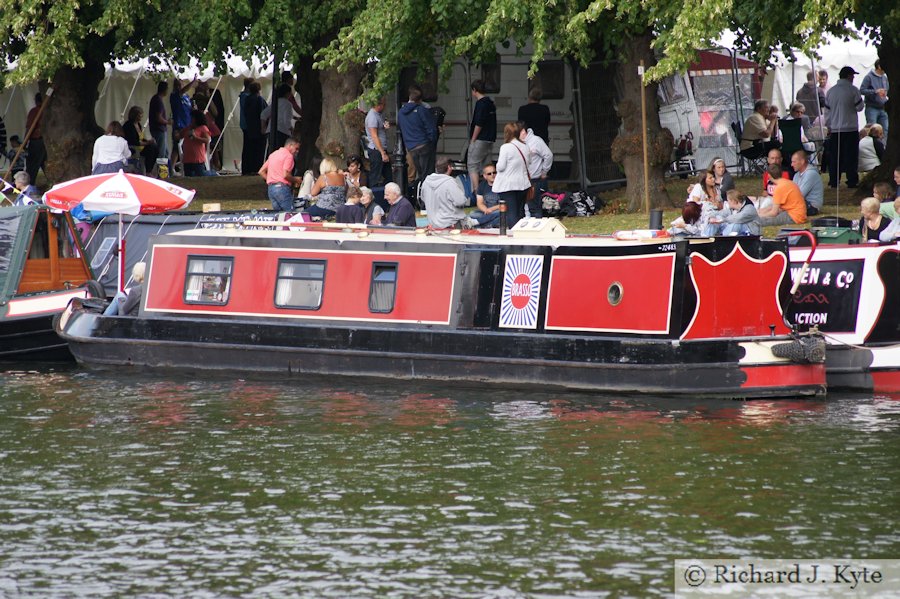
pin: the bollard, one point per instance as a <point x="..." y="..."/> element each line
<point x="502" y="205"/>
<point x="656" y="219"/>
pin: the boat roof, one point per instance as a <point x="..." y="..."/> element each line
<point x="16" y="225"/>
<point x="397" y="235"/>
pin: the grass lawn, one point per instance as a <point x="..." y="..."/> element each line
<point x="246" y="193"/>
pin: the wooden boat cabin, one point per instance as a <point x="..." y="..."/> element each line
<point x="663" y="316"/>
<point x="42" y="267"/>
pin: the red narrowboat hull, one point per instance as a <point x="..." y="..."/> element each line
<point x="575" y="313"/>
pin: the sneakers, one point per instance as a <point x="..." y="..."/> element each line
<point x="471" y="223"/>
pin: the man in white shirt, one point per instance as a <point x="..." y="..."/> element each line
<point x="539" y="162"/>
<point x="285" y="116"/>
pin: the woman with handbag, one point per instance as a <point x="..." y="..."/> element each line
<point x="513" y="183"/>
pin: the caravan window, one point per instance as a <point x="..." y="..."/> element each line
<point x="427" y="80"/>
<point x="384" y="287"/>
<point x="490" y="74"/>
<point x="551" y="79"/>
<point x="208" y="280"/>
<point x="300" y="284"/>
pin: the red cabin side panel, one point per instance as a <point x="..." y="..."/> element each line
<point x="578" y="297"/>
<point x="737" y="296"/>
<point x="423" y="293"/>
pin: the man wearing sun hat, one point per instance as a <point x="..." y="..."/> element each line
<point x="844" y="101"/>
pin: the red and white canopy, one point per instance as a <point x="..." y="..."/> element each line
<point x="120" y="193"/>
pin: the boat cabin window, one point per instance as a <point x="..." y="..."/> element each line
<point x="208" y="280"/>
<point x="65" y="237"/>
<point x="384" y="286"/>
<point x="40" y="243"/>
<point x="299" y="284"/>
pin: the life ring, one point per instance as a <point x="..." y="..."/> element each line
<point x="639" y="234"/>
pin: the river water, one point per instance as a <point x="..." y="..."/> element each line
<point x="166" y="487"/>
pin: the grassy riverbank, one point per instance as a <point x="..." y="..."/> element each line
<point x="246" y="193"/>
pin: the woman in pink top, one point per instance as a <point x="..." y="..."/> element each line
<point x="195" y="136"/>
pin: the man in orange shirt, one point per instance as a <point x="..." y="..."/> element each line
<point x="788" y="206"/>
<point x="277" y="172"/>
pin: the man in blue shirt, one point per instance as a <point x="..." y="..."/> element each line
<point x="181" y="105"/>
<point x="401" y="213"/>
<point x="809" y="181"/>
<point x="419" y="133"/>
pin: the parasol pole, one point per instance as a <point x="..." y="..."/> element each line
<point x="644" y="138"/>
<point x="128" y="101"/>
<point x="34" y="124"/>
<point x="120" y="286"/>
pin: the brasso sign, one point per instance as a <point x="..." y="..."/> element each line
<point x="828" y="296"/>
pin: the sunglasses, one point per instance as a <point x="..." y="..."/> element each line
<point x="489" y="173"/>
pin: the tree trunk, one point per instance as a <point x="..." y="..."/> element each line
<point x="889" y="53"/>
<point x="68" y="125"/>
<point x="339" y="134"/>
<point x="310" y="89"/>
<point x="627" y="148"/>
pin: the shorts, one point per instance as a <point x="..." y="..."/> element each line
<point x="479" y="155"/>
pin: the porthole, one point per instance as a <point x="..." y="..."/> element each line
<point x="614" y="293"/>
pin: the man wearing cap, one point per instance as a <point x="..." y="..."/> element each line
<point x="844" y="101"/>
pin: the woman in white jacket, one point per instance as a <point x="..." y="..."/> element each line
<point x="539" y="164"/>
<point x="512" y="173"/>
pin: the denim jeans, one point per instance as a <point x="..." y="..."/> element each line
<point x="877" y="115"/>
<point x="491" y="219"/>
<point x="322" y="213"/>
<point x="162" y="142"/>
<point x="515" y="206"/>
<point x="281" y="197"/>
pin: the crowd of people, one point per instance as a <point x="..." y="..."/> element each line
<point x="829" y="114"/>
<point x="442" y="188"/>
<point x="184" y="131"/>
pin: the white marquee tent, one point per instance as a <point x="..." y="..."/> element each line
<point x="129" y="84"/>
<point x="783" y="82"/>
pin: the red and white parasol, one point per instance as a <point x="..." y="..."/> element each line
<point x="119" y="193"/>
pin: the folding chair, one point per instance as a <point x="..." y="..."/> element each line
<point x="791" y="138"/>
<point x="753" y="159"/>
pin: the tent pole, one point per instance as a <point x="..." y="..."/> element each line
<point x="209" y="102"/>
<point x="28" y="133"/>
<point x="227" y="122"/>
<point x="131" y="95"/>
<point x="9" y="101"/>
<point x="112" y="70"/>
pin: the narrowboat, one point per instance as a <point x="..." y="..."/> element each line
<point x="535" y="308"/>
<point x="851" y="294"/>
<point x="42" y="267"/>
